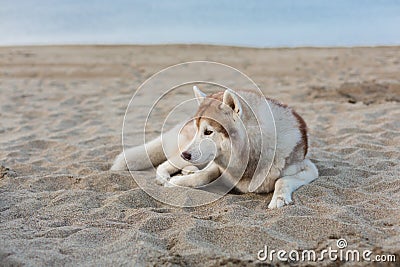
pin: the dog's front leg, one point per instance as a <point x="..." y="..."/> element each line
<point x="169" y="167"/>
<point x="199" y="178"/>
<point x="164" y="171"/>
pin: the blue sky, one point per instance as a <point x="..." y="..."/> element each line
<point x="244" y="23"/>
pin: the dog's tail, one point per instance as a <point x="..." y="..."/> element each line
<point x="144" y="156"/>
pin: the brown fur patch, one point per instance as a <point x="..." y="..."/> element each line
<point x="303" y="130"/>
<point x="218" y="95"/>
<point x="276" y="102"/>
<point x="217" y="126"/>
<point x="301" y="123"/>
<point x="206" y="104"/>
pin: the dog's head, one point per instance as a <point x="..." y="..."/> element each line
<point x="218" y="123"/>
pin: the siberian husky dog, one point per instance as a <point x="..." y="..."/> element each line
<point x="254" y="143"/>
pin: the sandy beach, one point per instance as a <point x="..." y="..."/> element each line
<point x="61" y="113"/>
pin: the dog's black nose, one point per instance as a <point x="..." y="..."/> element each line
<point x="186" y="155"/>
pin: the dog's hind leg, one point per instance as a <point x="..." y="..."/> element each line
<point x="140" y="157"/>
<point x="286" y="185"/>
<point x="150" y="154"/>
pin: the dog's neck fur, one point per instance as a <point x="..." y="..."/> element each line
<point x="245" y="143"/>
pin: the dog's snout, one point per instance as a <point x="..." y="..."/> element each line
<point x="186" y="155"/>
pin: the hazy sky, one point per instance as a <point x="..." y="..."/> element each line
<point x="246" y="23"/>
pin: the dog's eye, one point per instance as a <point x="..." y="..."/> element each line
<point x="207" y="132"/>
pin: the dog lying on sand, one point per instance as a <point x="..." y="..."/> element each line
<point x="255" y="143"/>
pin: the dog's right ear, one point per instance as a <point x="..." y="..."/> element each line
<point x="198" y="94"/>
<point x="231" y="100"/>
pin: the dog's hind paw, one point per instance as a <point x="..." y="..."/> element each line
<point x="280" y="201"/>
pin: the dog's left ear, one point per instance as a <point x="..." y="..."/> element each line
<point x="230" y="99"/>
<point x="198" y="94"/>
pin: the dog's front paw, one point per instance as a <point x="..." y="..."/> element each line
<point x="162" y="178"/>
<point x="189" y="170"/>
<point x="173" y="182"/>
<point x="280" y="200"/>
<point x="182" y="180"/>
